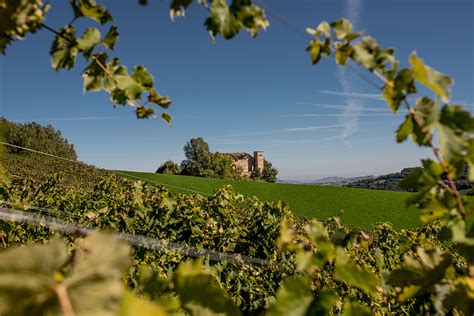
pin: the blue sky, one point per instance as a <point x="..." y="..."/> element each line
<point x="245" y="94"/>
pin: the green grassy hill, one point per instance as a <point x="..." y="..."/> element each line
<point x="361" y="208"/>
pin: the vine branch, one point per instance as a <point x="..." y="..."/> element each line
<point x="63" y="298"/>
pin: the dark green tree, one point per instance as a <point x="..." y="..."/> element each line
<point x="169" y="167"/>
<point x="222" y="166"/>
<point x="269" y="173"/>
<point x="198" y="157"/>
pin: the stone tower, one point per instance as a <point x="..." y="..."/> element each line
<point x="258" y="159"/>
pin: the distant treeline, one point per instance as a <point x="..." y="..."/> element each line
<point x="37" y="137"/>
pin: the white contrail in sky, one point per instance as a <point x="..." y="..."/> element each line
<point x="351" y="122"/>
<point x="343" y="107"/>
<point x="372" y="96"/>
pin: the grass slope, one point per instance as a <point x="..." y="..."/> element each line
<point x="361" y="208"/>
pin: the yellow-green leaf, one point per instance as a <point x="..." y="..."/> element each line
<point x="434" y="80"/>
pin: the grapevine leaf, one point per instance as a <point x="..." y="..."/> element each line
<point x="27" y="274"/>
<point x="405" y="129"/>
<point x="144" y="112"/>
<point x="142" y="76"/>
<point x="434" y="80"/>
<point x="155" y="97"/>
<point x="199" y="291"/>
<point x="451" y="145"/>
<point x="221" y="21"/>
<point x="125" y="82"/>
<point x="342" y="28"/>
<point x="131" y="305"/>
<point x="97" y="275"/>
<point x="64" y="49"/>
<point x="315" y="51"/>
<point x="347" y="271"/>
<point x="461" y="297"/>
<point x="370" y="55"/>
<point x="395" y="92"/>
<point x="94" y="76"/>
<point x="355" y="309"/>
<point x="363" y="52"/>
<point x="428" y="110"/>
<point x="89" y="39"/>
<point x="323" y="303"/>
<point x="165" y="116"/>
<point x="178" y="8"/>
<point x="419" y="274"/>
<point x="456" y="118"/>
<point x="343" y="53"/>
<point x="118" y="96"/>
<point x="294" y="297"/>
<point x="91" y="10"/>
<point x="323" y="29"/>
<point x="251" y="16"/>
<point x="111" y="37"/>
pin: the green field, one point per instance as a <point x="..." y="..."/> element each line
<point x="361" y="208"/>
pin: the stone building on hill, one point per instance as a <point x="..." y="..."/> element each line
<point x="247" y="162"/>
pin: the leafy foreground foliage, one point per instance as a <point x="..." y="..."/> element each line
<point x="338" y="265"/>
<point x="225" y="221"/>
<point x="338" y="271"/>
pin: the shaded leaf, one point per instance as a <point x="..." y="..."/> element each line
<point x="97" y="275"/>
<point x="27" y="274"/>
<point x="199" y="291"/>
<point x="294" y="297"/>
<point x="405" y="129"/>
<point x="323" y="303"/>
<point x="221" y="21"/>
<point x="178" y="8"/>
<point x="419" y="274"/>
<point x="64" y="49"/>
<point x="396" y="90"/>
<point x="355" y="309"/>
<point x="347" y="271"/>
<point x="91" y="10"/>
<point x="111" y="37"/>
<point x="461" y="297"/>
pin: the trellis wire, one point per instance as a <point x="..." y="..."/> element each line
<point x="18" y="216"/>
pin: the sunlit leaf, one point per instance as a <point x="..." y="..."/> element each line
<point x="436" y="81"/>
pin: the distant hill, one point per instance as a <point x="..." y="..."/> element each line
<point x="330" y="181"/>
<point x="391" y="182"/>
<point x="26" y="165"/>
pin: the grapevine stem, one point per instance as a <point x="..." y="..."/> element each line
<point x="64" y="301"/>
<point x="94" y="57"/>
<point x="451" y="187"/>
